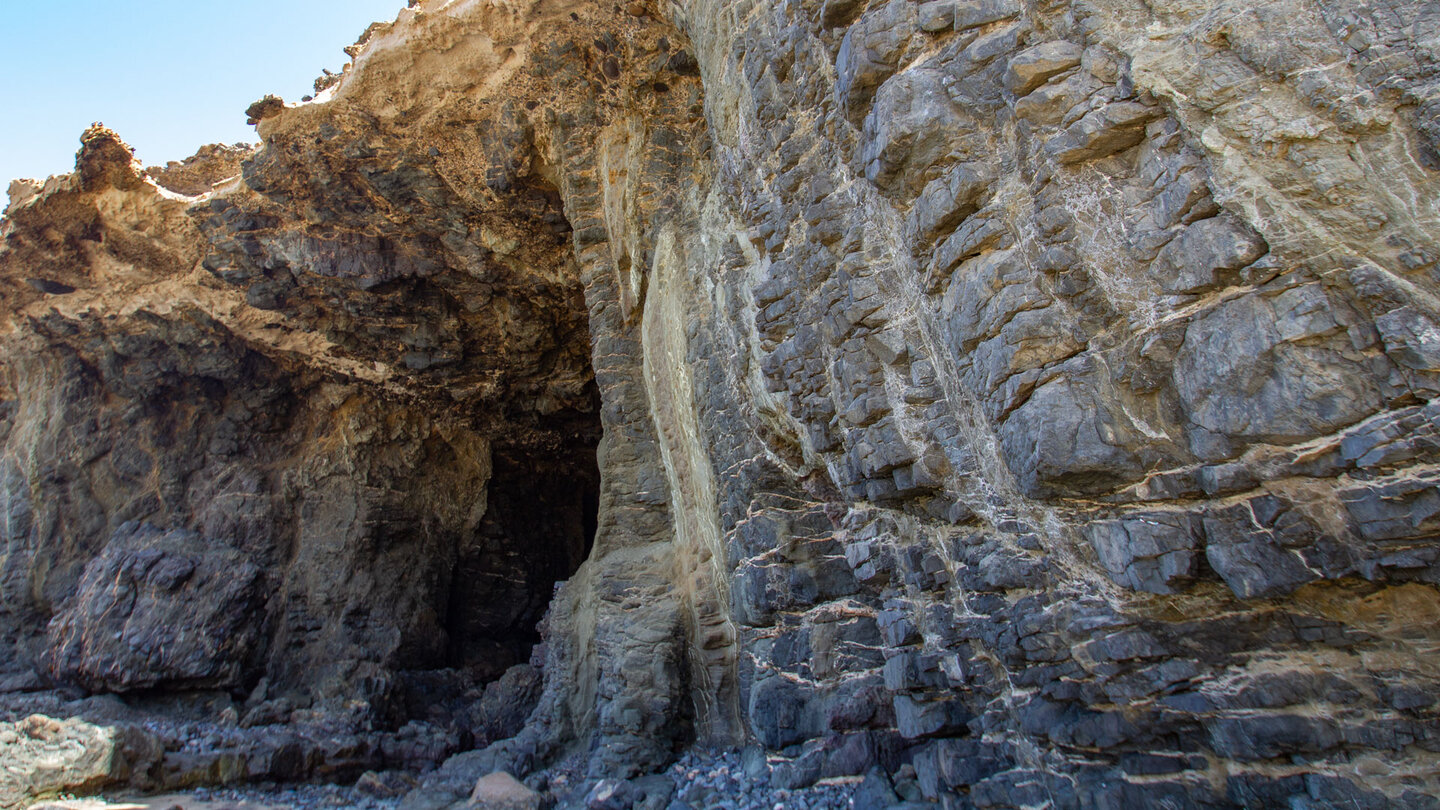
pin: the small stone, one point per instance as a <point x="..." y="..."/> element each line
<point x="612" y="794"/>
<point x="266" y="107"/>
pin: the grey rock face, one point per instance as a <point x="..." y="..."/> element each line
<point x="1032" y="401"/>
<point x="1154" y="552"/>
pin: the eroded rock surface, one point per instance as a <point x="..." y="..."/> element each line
<point x="1033" y="401"/>
<point x="45" y="757"/>
<point x="158" y="607"/>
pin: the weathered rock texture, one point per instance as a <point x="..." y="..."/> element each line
<point x="44" y="757"/>
<point x="1039" y="395"/>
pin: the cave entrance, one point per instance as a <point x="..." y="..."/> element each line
<point x="539" y="524"/>
<point x="543" y="495"/>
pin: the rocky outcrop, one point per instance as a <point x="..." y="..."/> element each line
<point x="1037" y="399"/>
<point x="165" y="448"/>
<point x="45" y="757"/>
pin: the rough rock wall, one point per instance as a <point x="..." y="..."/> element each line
<point x="1035" y="394"/>
<point x="1107" y="323"/>
<point x="203" y="493"/>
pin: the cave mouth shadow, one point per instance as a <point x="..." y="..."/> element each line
<point x="539" y="525"/>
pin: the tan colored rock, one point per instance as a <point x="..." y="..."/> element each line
<point x="41" y="756"/>
<point x="200" y="172"/>
<point x="501" y="791"/>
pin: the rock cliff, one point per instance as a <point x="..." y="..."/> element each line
<point x="1033" y="400"/>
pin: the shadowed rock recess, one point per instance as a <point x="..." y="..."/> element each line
<point x="1014" y="404"/>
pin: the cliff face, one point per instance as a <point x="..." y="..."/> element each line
<point x="1038" y="396"/>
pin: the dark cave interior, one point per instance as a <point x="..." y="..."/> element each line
<point x="538" y="527"/>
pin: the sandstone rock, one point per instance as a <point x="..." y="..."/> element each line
<point x="501" y="791"/>
<point x="266" y="107"/>
<point x="199" y="173"/>
<point x="44" y="756"/>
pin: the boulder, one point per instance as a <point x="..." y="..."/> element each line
<point x="158" y="608"/>
<point x="501" y="791"/>
<point x="43" y="756"/>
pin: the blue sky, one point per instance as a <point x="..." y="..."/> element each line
<point x="168" y="75"/>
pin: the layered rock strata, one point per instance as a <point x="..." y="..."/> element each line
<point x="1038" y="397"/>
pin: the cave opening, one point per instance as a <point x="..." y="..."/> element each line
<point x="539" y="524"/>
<point x="543" y="496"/>
<point x="497" y="578"/>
